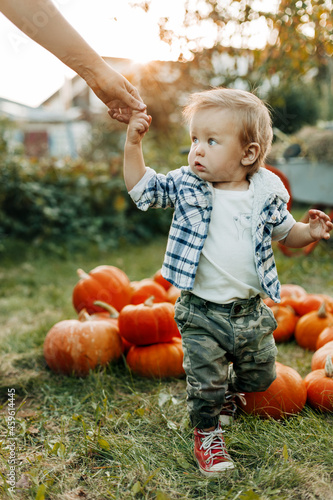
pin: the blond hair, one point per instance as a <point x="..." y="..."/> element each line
<point x="254" y="116"/>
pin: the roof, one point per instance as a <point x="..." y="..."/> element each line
<point x="21" y="112"/>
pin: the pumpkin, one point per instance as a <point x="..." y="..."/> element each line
<point x="142" y="290"/>
<point x="284" y="397"/>
<point x="329" y="302"/>
<point x="105" y="283"/>
<point x="310" y="302"/>
<point x="310" y="326"/>
<point x="76" y="346"/>
<point x="157" y="360"/>
<point x="172" y="294"/>
<point x="325" y="336"/>
<point x="148" y="323"/>
<point x="269" y="302"/>
<point x="160" y="280"/>
<point x="286" y="320"/>
<point x="289" y="293"/>
<point x="319" y="385"/>
<point x="291" y="290"/>
<point x="109" y="314"/>
<point x="319" y="357"/>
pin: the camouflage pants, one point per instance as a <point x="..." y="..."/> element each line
<point x="213" y="336"/>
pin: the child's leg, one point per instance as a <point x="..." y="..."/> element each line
<point x="255" y="350"/>
<point x="212" y="334"/>
<point x="205" y="359"/>
<point x="206" y="368"/>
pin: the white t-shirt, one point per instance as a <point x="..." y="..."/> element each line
<point x="226" y="270"/>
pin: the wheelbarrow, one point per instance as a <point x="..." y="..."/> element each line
<point x="306" y="182"/>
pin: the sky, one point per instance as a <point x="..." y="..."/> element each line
<point x="29" y="74"/>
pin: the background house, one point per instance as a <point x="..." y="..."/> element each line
<point x="61" y="124"/>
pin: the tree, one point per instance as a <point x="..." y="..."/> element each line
<point x="299" y="40"/>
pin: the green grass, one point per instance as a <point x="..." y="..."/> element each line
<point x="114" y="435"/>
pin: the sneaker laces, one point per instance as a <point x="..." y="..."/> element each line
<point x="213" y="443"/>
<point x="232" y="396"/>
<point x="230" y="407"/>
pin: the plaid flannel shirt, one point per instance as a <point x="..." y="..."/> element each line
<point x="192" y="201"/>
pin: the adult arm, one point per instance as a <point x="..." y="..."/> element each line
<point x="42" y="22"/>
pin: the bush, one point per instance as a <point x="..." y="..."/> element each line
<point x="59" y="202"/>
<point x="293" y="106"/>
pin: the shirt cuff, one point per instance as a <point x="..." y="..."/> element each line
<point x="281" y="231"/>
<point x="136" y="192"/>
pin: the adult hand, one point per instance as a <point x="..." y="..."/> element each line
<point x="43" y="23"/>
<point x="117" y="93"/>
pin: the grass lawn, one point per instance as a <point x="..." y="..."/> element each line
<point x="115" y="436"/>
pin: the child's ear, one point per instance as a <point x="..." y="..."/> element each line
<point x="251" y="153"/>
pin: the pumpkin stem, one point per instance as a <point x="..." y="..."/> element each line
<point x="322" y="310"/>
<point x="150" y="301"/>
<point x="113" y="312"/>
<point x="84" y="315"/>
<point x="82" y="274"/>
<point x="329" y="367"/>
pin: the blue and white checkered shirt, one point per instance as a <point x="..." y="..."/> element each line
<point x="192" y="201"/>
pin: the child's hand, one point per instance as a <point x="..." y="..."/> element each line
<point x="138" y="126"/>
<point x="320" y="225"/>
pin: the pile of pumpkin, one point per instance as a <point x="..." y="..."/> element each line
<point x="309" y="319"/>
<point x="118" y="317"/>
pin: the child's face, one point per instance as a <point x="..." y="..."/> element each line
<point x="216" y="151"/>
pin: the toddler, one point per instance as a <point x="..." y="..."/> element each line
<point x="227" y="210"/>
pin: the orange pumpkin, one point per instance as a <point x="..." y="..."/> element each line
<point x="148" y="323"/>
<point x="286" y="320"/>
<point x="319" y="385"/>
<point x="76" y="346"/>
<point x="142" y="290"/>
<point x="325" y="336"/>
<point x="310" y="326"/>
<point x="310" y="302"/>
<point x="285" y="396"/>
<point x="172" y="294"/>
<point x="329" y="302"/>
<point x="290" y="293"/>
<point x="158" y="360"/>
<point x="109" y="314"/>
<point x="160" y="280"/>
<point x="291" y="290"/>
<point x="105" y="283"/>
<point x="269" y="302"/>
<point x="319" y="357"/>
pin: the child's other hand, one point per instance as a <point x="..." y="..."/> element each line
<point x="138" y="126"/>
<point x="320" y="225"/>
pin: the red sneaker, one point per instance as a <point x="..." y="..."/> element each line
<point x="210" y="452"/>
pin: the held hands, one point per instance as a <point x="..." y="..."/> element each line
<point x="320" y="225"/>
<point x="118" y="94"/>
<point x="138" y="126"/>
<point x="126" y="101"/>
